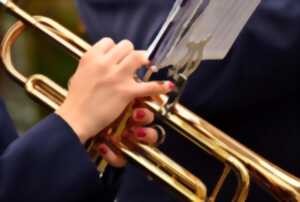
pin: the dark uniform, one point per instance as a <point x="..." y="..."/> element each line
<point x="48" y="163"/>
<point x="253" y="94"/>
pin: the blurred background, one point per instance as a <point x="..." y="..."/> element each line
<point x="34" y="53"/>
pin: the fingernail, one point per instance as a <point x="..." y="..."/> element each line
<point x="140" y="132"/>
<point x="171" y="85"/>
<point x="140" y="114"/>
<point x="102" y="150"/>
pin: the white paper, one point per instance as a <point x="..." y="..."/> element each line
<point x="221" y="20"/>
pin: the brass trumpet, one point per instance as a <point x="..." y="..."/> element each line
<point x="235" y="157"/>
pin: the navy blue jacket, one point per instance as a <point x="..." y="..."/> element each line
<point x="253" y="94"/>
<point x="48" y="163"/>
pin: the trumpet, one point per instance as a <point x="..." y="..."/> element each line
<point x="236" y="158"/>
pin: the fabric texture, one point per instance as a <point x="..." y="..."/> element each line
<point x="48" y="163"/>
<point x="253" y="94"/>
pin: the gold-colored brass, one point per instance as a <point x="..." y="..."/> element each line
<point x="236" y="157"/>
<point x="44" y="89"/>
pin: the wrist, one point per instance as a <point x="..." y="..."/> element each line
<point x="75" y="122"/>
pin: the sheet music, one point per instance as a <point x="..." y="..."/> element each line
<point x="195" y="20"/>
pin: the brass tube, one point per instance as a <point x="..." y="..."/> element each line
<point x="236" y="157"/>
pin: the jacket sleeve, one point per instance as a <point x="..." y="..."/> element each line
<point x="48" y="164"/>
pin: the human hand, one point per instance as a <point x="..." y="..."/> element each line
<point x="138" y="132"/>
<point x="103" y="85"/>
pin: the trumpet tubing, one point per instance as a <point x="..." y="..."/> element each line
<point x="235" y="157"/>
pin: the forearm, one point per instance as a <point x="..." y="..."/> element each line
<point x="48" y="163"/>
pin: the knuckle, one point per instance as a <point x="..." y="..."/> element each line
<point x="108" y="40"/>
<point x="134" y="57"/>
<point x="128" y="44"/>
<point x="139" y="57"/>
<point x="84" y="59"/>
<point x="102" y="62"/>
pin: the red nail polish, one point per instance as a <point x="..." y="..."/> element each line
<point x="140" y="114"/>
<point x="171" y="85"/>
<point x="140" y="132"/>
<point x="102" y="150"/>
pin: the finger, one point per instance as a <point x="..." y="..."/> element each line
<point x="145" y="135"/>
<point x="145" y="89"/>
<point x="142" y="116"/>
<point x="115" y="160"/>
<point x="134" y="61"/>
<point x="119" y="52"/>
<point x="103" y="46"/>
